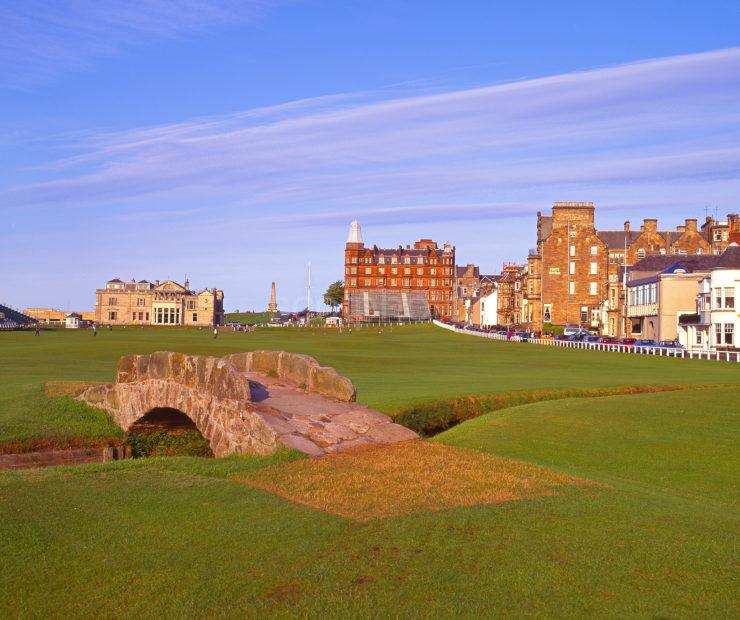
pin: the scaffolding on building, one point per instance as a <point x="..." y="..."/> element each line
<point x="388" y="306"/>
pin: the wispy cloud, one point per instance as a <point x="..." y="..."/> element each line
<point x="666" y="120"/>
<point x="41" y="37"/>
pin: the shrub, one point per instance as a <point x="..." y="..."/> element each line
<point x="162" y="443"/>
<point x="431" y="418"/>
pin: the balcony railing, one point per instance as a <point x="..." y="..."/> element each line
<point x="642" y="310"/>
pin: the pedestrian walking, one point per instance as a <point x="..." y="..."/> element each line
<point x="37" y="330"/>
<point x="95" y="331"/>
<point x="215" y="332"/>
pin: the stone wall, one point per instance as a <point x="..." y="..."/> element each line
<point x="300" y="370"/>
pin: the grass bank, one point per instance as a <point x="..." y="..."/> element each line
<point x="174" y="537"/>
<point x="395" y="369"/>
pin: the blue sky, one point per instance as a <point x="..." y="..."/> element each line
<point x="233" y="141"/>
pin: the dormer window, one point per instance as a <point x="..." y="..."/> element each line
<point x="641" y="253"/>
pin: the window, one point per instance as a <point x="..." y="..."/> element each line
<point x="394" y="270"/>
<point x="367" y="281"/>
<point x="407" y="282"/>
<point x="698" y="337"/>
<point x="381" y="260"/>
<point x="112" y="301"/>
<point x="572" y="250"/>
<point x="571" y="288"/>
<point x="730" y="298"/>
<point x="381" y="281"/>
<point x="191" y="304"/>
<point x="420" y="260"/>
<point x="572" y="268"/>
<point x="368" y="271"/>
<point x="353" y="282"/>
<point x="407" y="260"/>
<point x="594" y="269"/>
<point x="353" y="260"/>
<point x="141" y="316"/>
<point x="718" y="298"/>
<point x="140" y="301"/>
<point x="700" y="251"/>
<point x="641" y="253"/>
<point x="432" y="283"/>
<point x="195" y="317"/>
<point x="112" y="315"/>
<point x="584" y="314"/>
<point x="729" y="332"/>
<point x="419" y="271"/>
<point x="394" y="260"/>
<point x="718" y="334"/>
<point x="147" y="316"/>
<point x="133" y="316"/>
<point x="407" y="271"/>
<point x="381" y="271"/>
<point x="593" y="288"/>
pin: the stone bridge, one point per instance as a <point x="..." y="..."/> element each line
<point x="247" y="403"/>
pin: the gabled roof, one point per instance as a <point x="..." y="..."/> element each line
<point x="616" y="239"/>
<point x="730" y="258"/>
<point x="117" y="280"/>
<point x="658" y="263"/>
<point x="169" y="285"/>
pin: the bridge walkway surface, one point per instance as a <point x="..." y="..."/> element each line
<point x="318" y="425"/>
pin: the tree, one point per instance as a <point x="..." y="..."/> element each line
<point x="334" y="295"/>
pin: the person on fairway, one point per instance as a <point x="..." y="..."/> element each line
<point x="95" y="330"/>
<point x="37" y="330"/>
<point x="215" y="332"/>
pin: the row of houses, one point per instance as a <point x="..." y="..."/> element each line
<point x="576" y="275"/>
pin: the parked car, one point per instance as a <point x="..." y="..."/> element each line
<point x="645" y="342"/>
<point x="627" y="342"/>
<point x="607" y="340"/>
<point x="670" y="344"/>
<point x="592" y="338"/>
<point x="572" y="331"/>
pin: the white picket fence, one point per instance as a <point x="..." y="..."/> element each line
<point x="722" y="356"/>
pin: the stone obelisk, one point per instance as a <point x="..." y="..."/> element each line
<point x="272" y="306"/>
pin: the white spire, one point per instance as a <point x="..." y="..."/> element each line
<point x="355" y="234"/>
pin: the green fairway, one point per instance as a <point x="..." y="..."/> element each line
<point x="392" y="368"/>
<point x="177" y="537"/>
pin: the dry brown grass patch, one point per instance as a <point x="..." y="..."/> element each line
<point x="406" y="478"/>
<point x="55" y="389"/>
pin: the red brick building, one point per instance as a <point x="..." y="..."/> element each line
<point x="389" y="284"/>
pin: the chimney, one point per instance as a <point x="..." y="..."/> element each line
<point x="627" y="226"/>
<point x="733" y="221"/>
<point x="680" y="229"/>
<point x="650" y="224"/>
<point x="186" y="284"/>
<point x="156" y="283"/>
<point x="691" y="225"/>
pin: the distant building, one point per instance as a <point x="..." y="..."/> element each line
<point x="576" y="274"/>
<point x="53" y="316"/>
<point x="715" y="323"/>
<point x="165" y="304"/>
<point x="73" y="320"/>
<point x="399" y="284"/>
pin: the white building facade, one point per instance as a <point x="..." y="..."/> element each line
<point x="716" y="324"/>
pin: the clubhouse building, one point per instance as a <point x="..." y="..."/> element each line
<point x="167" y="304"/>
